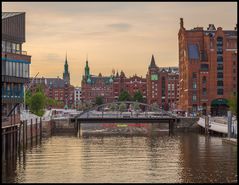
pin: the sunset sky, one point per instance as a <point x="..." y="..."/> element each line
<point x="116" y="35"/>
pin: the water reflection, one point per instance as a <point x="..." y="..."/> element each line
<point x="207" y="159"/>
<point x="186" y="157"/>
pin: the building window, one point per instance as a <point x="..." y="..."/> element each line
<point x="8" y="48"/>
<point x="194" y="98"/>
<point x="219" y="75"/>
<point x="194" y="85"/>
<point x="204" y="67"/>
<point x="20" y="69"/>
<point x="17" y="69"/>
<point x="219" y="83"/>
<point x="10" y="68"/>
<point x="220" y="67"/>
<point x="194" y="75"/>
<point x="204" y="79"/>
<point x="219" y="91"/>
<point x="204" y="91"/>
<point x="3" y="46"/>
<point x="3" y="67"/>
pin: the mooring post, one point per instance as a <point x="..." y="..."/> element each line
<point x="31" y="132"/>
<point x="170" y="127"/>
<point x="36" y="130"/>
<point x="229" y="124"/>
<point x="23" y="134"/>
<point x="26" y="131"/>
<point x="206" y="124"/>
<point x="78" y="129"/>
<point x="40" y="128"/>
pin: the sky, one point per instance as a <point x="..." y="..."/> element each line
<point x="114" y="35"/>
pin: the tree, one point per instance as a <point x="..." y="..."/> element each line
<point x="37" y="103"/>
<point x="232" y="102"/>
<point x="124" y="96"/>
<point x="28" y="98"/>
<point x="122" y="107"/>
<point x="99" y="100"/>
<point x="138" y="96"/>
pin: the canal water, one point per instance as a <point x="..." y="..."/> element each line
<point x="157" y="158"/>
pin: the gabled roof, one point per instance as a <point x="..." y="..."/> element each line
<point x="55" y="82"/>
<point x="10" y="14"/>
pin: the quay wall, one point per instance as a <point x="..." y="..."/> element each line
<point x="26" y="133"/>
<point x="186" y="124"/>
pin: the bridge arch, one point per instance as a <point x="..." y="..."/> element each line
<point x="147" y="106"/>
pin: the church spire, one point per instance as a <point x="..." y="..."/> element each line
<point x="66" y="74"/>
<point x="66" y="58"/>
<point x="152" y="63"/>
<point x="87" y="69"/>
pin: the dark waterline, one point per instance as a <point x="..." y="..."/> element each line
<point x="185" y="157"/>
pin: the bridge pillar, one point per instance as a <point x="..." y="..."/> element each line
<point x="79" y="133"/>
<point x="170" y="125"/>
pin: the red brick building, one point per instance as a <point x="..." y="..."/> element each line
<point x="162" y="86"/>
<point x="96" y="86"/>
<point x="208" y="68"/>
<point x="131" y="85"/>
<point x="57" y="88"/>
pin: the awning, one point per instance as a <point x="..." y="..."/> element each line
<point x="219" y="101"/>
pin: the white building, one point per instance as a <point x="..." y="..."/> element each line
<point x="77" y="94"/>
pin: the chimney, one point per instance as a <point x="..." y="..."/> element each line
<point x="181" y="22"/>
<point x="211" y="27"/>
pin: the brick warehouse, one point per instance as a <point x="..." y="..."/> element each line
<point x="208" y="68"/>
<point x="162" y="85"/>
<point x="57" y="88"/>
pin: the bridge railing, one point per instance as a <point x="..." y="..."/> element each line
<point x="149" y="112"/>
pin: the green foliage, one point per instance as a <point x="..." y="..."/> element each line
<point x="50" y="102"/>
<point x="125" y="96"/>
<point x="232" y="102"/>
<point x="138" y="96"/>
<point x="37" y="103"/>
<point x="122" y="107"/>
<point x="99" y="100"/>
<point x="40" y="88"/>
<point x="28" y="97"/>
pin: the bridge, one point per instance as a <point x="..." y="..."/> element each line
<point x="124" y="112"/>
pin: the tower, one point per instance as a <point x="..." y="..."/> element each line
<point x="66" y="74"/>
<point x="87" y="72"/>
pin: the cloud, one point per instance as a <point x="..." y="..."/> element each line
<point x="120" y="26"/>
<point x="115" y="35"/>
